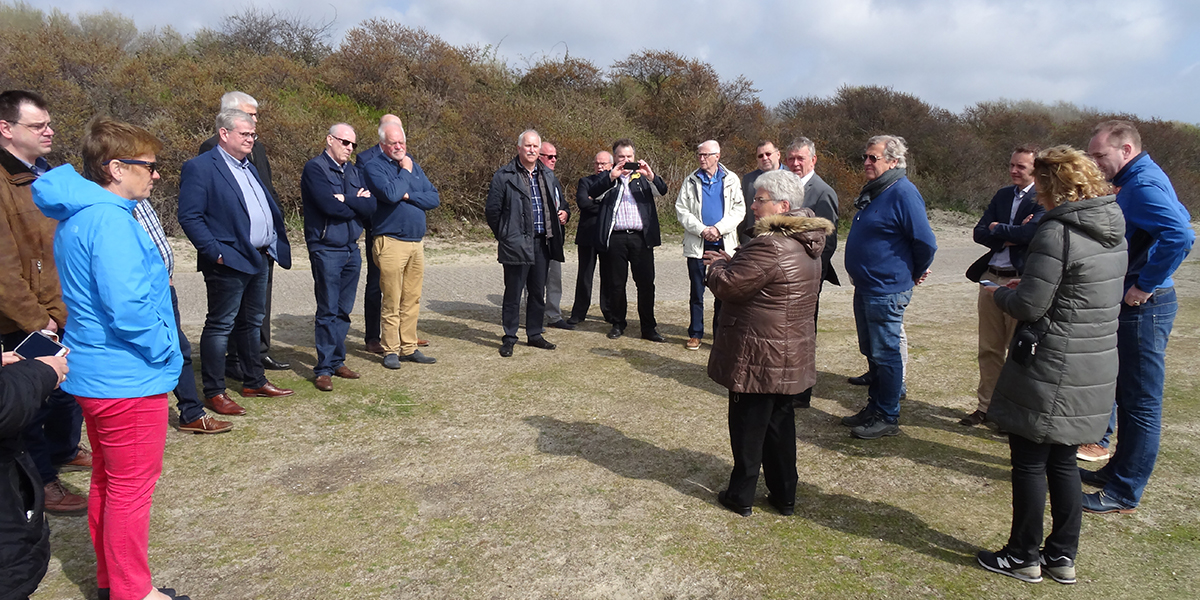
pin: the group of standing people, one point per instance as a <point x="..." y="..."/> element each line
<point x="1075" y="306"/>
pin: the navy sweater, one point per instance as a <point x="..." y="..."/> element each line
<point x="890" y="242"/>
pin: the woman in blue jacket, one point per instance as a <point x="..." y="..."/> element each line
<point x="124" y="347"/>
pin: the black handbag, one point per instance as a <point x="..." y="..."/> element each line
<point x="1028" y="336"/>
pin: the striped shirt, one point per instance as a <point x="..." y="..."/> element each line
<point x="148" y="218"/>
<point x="627" y="218"/>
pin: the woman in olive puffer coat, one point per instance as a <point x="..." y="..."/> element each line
<point x="1064" y="397"/>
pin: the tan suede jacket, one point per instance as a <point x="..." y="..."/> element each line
<point x="29" y="291"/>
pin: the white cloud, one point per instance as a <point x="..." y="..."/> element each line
<point x="1109" y="54"/>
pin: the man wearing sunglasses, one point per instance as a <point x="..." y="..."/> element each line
<point x="888" y="251"/>
<point x="228" y="214"/>
<point x="258" y="157"/>
<point x="548" y="155"/>
<point x="403" y="194"/>
<point x="767" y="156"/>
<point x="30" y="296"/>
<point x="335" y="202"/>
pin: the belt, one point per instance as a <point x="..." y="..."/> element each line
<point x="627" y="231"/>
<point x="1003" y="272"/>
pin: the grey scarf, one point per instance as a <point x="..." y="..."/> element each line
<point x="876" y="186"/>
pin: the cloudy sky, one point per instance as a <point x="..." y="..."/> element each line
<point x="1138" y="57"/>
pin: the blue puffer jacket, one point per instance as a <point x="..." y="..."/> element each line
<point x="121" y="329"/>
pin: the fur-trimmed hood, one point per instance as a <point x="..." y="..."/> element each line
<point x="809" y="230"/>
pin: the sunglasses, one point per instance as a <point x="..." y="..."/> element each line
<point x="766" y="154"/>
<point x="549" y="156"/>
<point x="352" y="145"/>
<point x="153" y="166"/>
<point x="871" y="158"/>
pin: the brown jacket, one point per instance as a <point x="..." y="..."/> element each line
<point x="766" y="337"/>
<point x="29" y="291"/>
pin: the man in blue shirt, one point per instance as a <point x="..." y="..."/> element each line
<point x="888" y="251"/>
<point x="710" y="207"/>
<point x="335" y="203"/>
<point x="1158" y="229"/>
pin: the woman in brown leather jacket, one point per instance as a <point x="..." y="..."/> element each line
<point x="764" y="353"/>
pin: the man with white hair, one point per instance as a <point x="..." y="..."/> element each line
<point x="710" y="207"/>
<point x="520" y="211"/>
<point x="258" y="157"/>
<point x="403" y="195"/>
<point x="335" y="201"/>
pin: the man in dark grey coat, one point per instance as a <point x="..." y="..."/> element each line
<point x="521" y="213"/>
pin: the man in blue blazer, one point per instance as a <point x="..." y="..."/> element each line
<point x="237" y="230"/>
<point x="1006" y="228"/>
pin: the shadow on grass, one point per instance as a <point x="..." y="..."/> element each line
<point x="815" y="428"/>
<point x="689" y="472"/>
<point x="880" y="521"/>
<point x="697" y="474"/>
<point x="650" y="363"/>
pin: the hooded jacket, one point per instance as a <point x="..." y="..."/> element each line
<point x="509" y="212"/>
<point x="29" y="292"/>
<point x="122" y="336"/>
<point x="1066" y="395"/>
<point x="769" y="293"/>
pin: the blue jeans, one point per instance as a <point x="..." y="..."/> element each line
<point x="878" y="320"/>
<point x="1142" y="334"/>
<point x="696" y="275"/>
<point x="236" y="305"/>
<point x="335" y="283"/>
<point x="188" y="402"/>
<point x="1112" y="426"/>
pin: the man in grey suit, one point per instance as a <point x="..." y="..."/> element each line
<point x="801" y="159"/>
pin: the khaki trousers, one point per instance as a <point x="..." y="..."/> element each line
<point x="995" y="331"/>
<point x="401" y="274"/>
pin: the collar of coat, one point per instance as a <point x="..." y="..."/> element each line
<point x="788" y="225"/>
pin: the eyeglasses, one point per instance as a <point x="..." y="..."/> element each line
<point x="706" y="154"/>
<point x="871" y="158"/>
<point x="153" y="166"/>
<point x="549" y="156"/>
<point x="762" y="199"/>
<point x="36" y="128"/>
<point x="765" y="154"/>
<point x="352" y="145"/>
<point x="249" y="135"/>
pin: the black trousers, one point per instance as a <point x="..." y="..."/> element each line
<point x="583" y="286"/>
<point x="532" y="280"/>
<point x="762" y="432"/>
<point x="1037" y="468"/>
<point x="628" y="253"/>
<point x="372" y="296"/>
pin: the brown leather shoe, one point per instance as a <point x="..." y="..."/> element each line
<point x="60" y="501"/>
<point x="81" y="462"/>
<point x="422" y="343"/>
<point x="267" y="391"/>
<point x="324" y="383"/>
<point x="976" y="418"/>
<point x="222" y="404"/>
<point x="345" y="373"/>
<point x="206" y="424"/>
<point x="692" y="344"/>
<point x="375" y="347"/>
